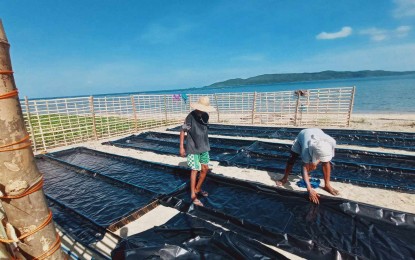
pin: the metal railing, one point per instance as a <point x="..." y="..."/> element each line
<point x="64" y="121"/>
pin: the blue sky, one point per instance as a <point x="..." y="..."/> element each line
<point x="65" y="48"/>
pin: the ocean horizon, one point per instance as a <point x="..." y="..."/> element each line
<point x="387" y="94"/>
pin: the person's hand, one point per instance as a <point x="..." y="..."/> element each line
<point x="313" y="196"/>
<point x="182" y="152"/>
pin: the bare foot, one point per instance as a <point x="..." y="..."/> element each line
<point x="197" y="202"/>
<point x="331" y="190"/>
<point x="202" y="193"/>
<point x="281" y="182"/>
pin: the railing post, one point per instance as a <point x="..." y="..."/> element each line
<point x="165" y="108"/>
<point x="134" y="113"/>
<point x="297" y="105"/>
<point x="29" y="121"/>
<point x="39" y="119"/>
<point x="253" y="107"/>
<point x="217" y="106"/>
<point x="91" y="106"/>
<point x="351" y="106"/>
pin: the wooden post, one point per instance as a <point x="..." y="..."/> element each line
<point x="42" y="136"/>
<point x="253" y="107"/>
<point x="351" y="106"/>
<point x="29" y="120"/>
<point x="165" y="108"/>
<point x="94" y="124"/>
<point x="217" y="107"/>
<point x="18" y="171"/>
<point x="297" y="104"/>
<point x="134" y="113"/>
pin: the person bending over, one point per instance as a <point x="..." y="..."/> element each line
<point x="197" y="146"/>
<point x="313" y="146"/>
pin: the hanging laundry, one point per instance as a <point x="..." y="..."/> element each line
<point x="184" y="97"/>
<point x="176" y="97"/>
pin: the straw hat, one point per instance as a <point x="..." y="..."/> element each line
<point x="203" y="105"/>
<point x="321" y="150"/>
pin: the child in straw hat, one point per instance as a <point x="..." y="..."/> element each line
<point x="314" y="146"/>
<point x="197" y="146"/>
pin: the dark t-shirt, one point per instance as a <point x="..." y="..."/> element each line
<point x="196" y="126"/>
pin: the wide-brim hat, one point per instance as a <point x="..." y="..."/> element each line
<point x="203" y="105"/>
<point x="321" y="150"/>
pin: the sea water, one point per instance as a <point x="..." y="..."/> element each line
<point x="394" y="94"/>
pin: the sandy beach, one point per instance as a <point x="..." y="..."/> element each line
<point x="384" y="122"/>
<point x="395" y="200"/>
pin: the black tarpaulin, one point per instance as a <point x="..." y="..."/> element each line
<point x="394" y="140"/>
<point x="101" y="201"/>
<point x="81" y="228"/>
<point x="374" y="169"/>
<point x="187" y="237"/>
<point x="153" y="177"/>
<point x="288" y="220"/>
<point x="337" y="228"/>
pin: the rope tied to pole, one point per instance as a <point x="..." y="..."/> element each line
<point x="8" y="147"/>
<point x="23" y="236"/>
<point x="37" y="185"/>
<point x="10" y="94"/>
<point x="6" y="72"/>
<point x="51" y="250"/>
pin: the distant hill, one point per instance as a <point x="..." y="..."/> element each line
<point x="314" y="76"/>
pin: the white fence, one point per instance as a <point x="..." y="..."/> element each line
<point x="63" y="121"/>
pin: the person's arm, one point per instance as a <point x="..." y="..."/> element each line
<point x="182" y="133"/>
<point x="313" y="195"/>
<point x="182" y="150"/>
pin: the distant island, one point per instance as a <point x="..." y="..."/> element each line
<point x="314" y="76"/>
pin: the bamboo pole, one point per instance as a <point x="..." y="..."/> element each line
<point x="351" y="106"/>
<point x="39" y="120"/>
<point x="18" y="171"/>
<point x="217" y="107"/>
<point x="29" y="120"/>
<point x="94" y="124"/>
<point x="134" y="113"/>
<point x="165" y="108"/>
<point x="297" y="104"/>
<point x="253" y="107"/>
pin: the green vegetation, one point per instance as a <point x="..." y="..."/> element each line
<point x="315" y="76"/>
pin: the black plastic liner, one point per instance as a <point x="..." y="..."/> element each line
<point x="95" y="198"/>
<point x="187" y="237"/>
<point x="81" y="229"/>
<point x="85" y="231"/>
<point x="393" y="140"/>
<point x="286" y="219"/>
<point x="381" y="170"/>
<point x="153" y="177"/>
<point x="283" y="218"/>
<point x="148" y="142"/>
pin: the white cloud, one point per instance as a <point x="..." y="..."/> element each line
<point x="344" y="32"/>
<point x="395" y="57"/>
<point x="402" y="31"/>
<point x="378" y="35"/>
<point x="157" y="33"/>
<point x="404" y="8"/>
